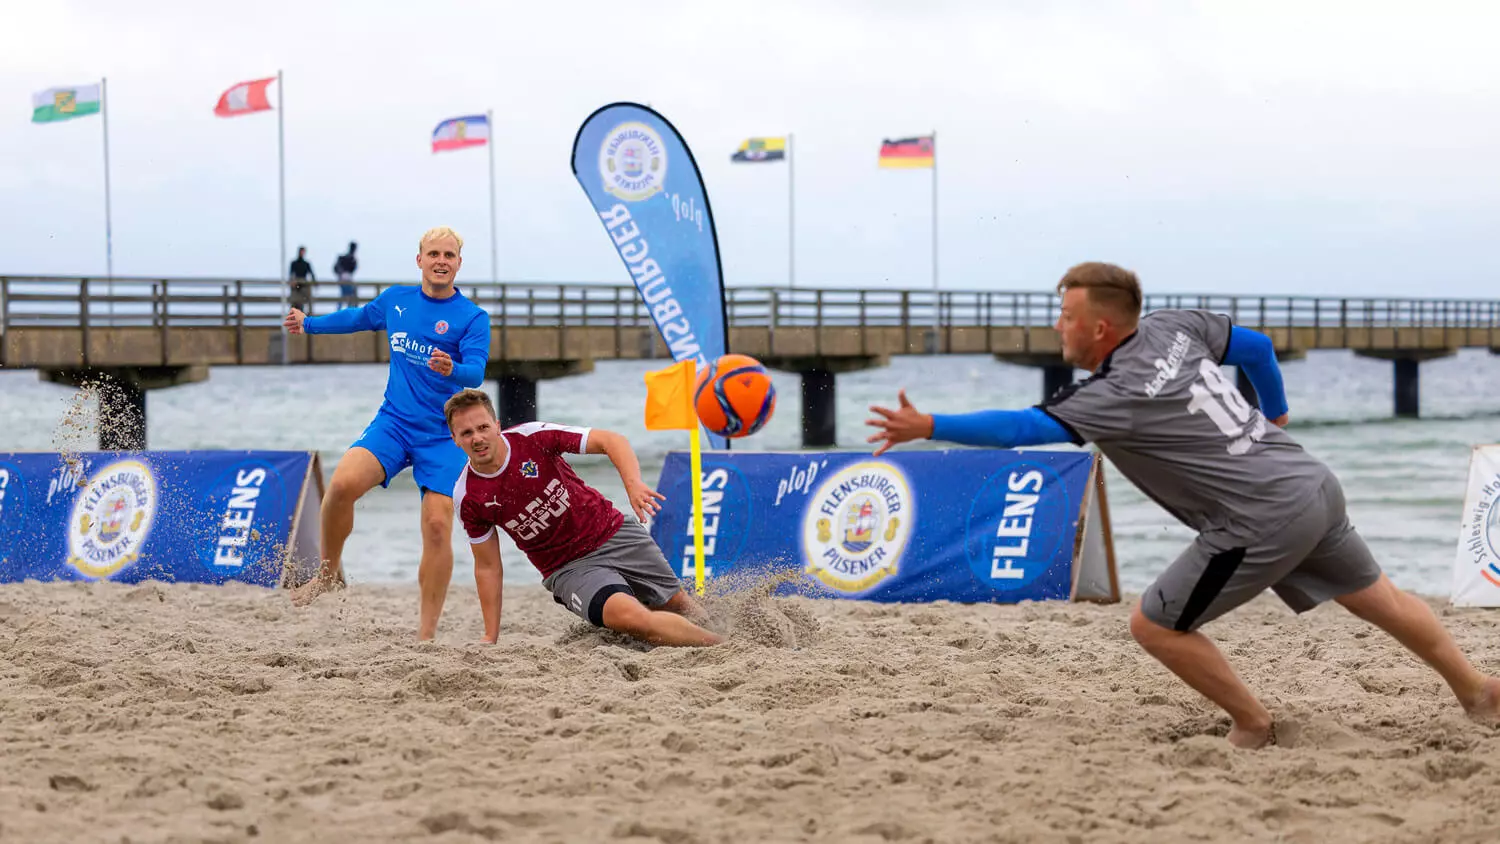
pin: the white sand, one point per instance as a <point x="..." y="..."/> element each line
<point x="188" y="713"/>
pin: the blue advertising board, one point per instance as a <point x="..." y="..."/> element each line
<point x="196" y="516"/>
<point x="968" y="525"/>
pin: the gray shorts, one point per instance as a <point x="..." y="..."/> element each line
<point x="629" y="562"/>
<point x="1315" y="557"/>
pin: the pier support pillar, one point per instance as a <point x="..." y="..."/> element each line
<point x="1056" y="374"/>
<point x="819" y="408"/>
<point x="516" y="395"/>
<point x="121" y="393"/>
<point x="820" y="391"/>
<point x="1055" y="377"/>
<point x="517" y="403"/>
<point x="1406" y="371"/>
<point x="1408" y="376"/>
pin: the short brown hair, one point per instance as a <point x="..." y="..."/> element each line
<point x="466" y="398"/>
<point x="1109" y="286"/>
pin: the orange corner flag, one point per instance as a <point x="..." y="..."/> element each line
<point x="669" y="407"/>
<point x="669" y="397"/>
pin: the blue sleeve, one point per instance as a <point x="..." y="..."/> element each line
<point x="999" y="428"/>
<point x="474" y="352"/>
<point x="1255" y="355"/>
<point x="367" y="317"/>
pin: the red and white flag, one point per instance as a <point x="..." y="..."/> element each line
<point x="245" y="98"/>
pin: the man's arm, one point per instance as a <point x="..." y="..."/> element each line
<point x="367" y="317"/>
<point x="487" y="578"/>
<point x="474" y="351"/>
<point x="1255" y="354"/>
<point x="999" y="428"/>
<point x="643" y="499"/>
<point x="996" y="428"/>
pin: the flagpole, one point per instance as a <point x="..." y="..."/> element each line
<point x="936" y="297"/>
<point x="109" y="249"/>
<point x="489" y="119"/>
<point x="791" y="218"/>
<point x="281" y="200"/>
<point x="695" y="455"/>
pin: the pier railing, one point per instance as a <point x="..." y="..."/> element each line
<point x="182" y="302"/>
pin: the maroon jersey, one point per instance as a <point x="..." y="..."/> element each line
<point x="537" y="498"/>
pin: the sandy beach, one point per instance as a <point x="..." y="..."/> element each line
<point x="156" y="713"/>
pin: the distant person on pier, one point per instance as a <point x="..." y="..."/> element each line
<point x="1268" y="514"/>
<point x="440" y="343"/>
<point x="301" y="277"/>
<point x="343" y="270"/>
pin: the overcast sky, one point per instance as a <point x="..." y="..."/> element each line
<point x="1342" y="148"/>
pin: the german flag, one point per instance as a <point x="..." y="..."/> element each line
<point x="908" y="153"/>
<point x="760" y="149"/>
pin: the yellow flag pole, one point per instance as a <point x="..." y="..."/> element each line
<point x="697" y="466"/>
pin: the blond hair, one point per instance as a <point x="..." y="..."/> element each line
<point x="1111" y="287"/>
<point x="465" y="399"/>
<point x="437" y="232"/>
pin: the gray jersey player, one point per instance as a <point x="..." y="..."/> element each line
<point x="1268" y="514"/>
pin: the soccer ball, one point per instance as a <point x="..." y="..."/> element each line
<point x="734" y="397"/>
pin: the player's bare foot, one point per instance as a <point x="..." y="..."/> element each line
<point x="1252" y="736"/>
<point x="1485" y="706"/>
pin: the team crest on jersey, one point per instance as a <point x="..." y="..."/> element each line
<point x="529" y="470"/>
<point x="856" y="526"/>
<point x="633" y="162"/>
<point x="441" y="327"/>
<point x="111" y="519"/>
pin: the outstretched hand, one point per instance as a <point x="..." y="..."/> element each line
<point x="293" y="321"/>
<point x="644" y="500"/>
<point x="901" y="425"/>
<point x="440" y="363"/>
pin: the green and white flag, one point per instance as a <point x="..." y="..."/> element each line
<point x="56" y="104"/>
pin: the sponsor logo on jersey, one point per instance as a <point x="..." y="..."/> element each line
<point x="856" y="526"/>
<point x="408" y="347"/>
<point x="538" y="515"/>
<point x="1168" y="369"/>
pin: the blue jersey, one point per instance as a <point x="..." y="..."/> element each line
<point x="415" y="325"/>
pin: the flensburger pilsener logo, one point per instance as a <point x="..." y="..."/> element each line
<point x="633" y="162"/>
<point x="111" y="518"/>
<point x="856" y="526"/>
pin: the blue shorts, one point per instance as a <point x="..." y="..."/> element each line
<point x="435" y="461"/>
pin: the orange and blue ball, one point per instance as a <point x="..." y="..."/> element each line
<point x="734" y="396"/>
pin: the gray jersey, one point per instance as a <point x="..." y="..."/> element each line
<point x="1160" y="408"/>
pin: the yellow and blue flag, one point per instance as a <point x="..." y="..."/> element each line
<point x="756" y="150"/>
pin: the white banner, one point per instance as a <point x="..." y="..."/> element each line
<point x="1476" y="568"/>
